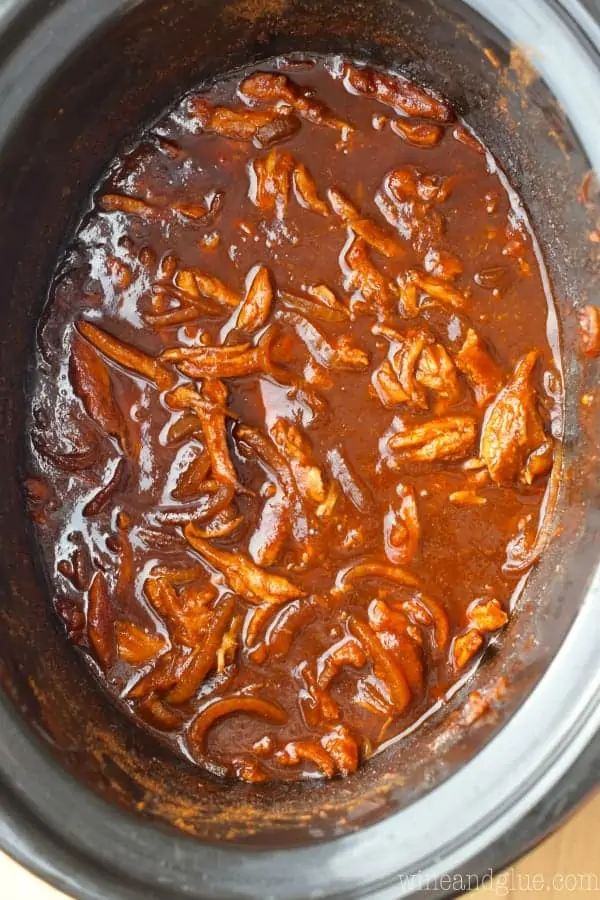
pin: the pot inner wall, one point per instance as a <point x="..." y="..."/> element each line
<point x="99" y="96"/>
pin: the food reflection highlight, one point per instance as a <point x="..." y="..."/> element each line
<point x="295" y="415"/>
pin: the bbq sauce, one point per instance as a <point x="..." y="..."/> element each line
<point x="296" y="409"/>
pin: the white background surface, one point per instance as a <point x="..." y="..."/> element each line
<point x="17" y="884"/>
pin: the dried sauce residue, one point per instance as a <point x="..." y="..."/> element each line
<point x="299" y="429"/>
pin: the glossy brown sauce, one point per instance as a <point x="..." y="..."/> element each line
<point x="296" y="408"/>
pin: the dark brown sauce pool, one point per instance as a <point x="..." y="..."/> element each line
<point x="297" y="403"/>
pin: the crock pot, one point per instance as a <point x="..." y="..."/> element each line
<point x="96" y="806"/>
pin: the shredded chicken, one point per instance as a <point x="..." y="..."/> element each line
<point x="256" y="306"/>
<point x="222" y="524"/>
<point x="387" y="385"/>
<point x="334" y="353"/>
<point x="443" y="264"/>
<point x="465" y="647"/>
<point x="244" y="577"/>
<point x="101" y="621"/>
<point x="216" y="710"/>
<point x="450" y="437"/>
<point x="343" y="749"/>
<point x="215" y="495"/>
<point x="196" y="290"/>
<point x="193" y="668"/>
<point x="374" y="290"/>
<point x="514" y="444"/>
<point x="487" y="615"/>
<point x="285" y="626"/>
<point x="467" y="498"/>
<point x="420" y="134"/>
<point x="273" y="426"/>
<point x="200" y="284"/>
<point x="91" y="382"/>
<point x="425" y="611"/>
<point x="296" y="448"/>
<point x="128" y="357"/>
<point x="309" y="751"/>
<point x="277" y="88"/>
<point x="137" y="646"/>
<point x="183" y="427"/>
<point x="271" y="185"/>
<point x="415" y="364"/>
<point x="468" y="139"/>
<point x="210" y="407"/>
<point x="386" y="667"/>
<point x="404" y="96"/>
<point x="438" y="289"/>
<point x="232" y="361"/>
<point x="363" y="227"/>
<point x="394" y="631"/>
<point x="411" y="183"/>
<point x="436" y="372"/>
<point x="154" y="712"/>
<point x="318" y="706"/>
<point x="306" y="191"/>
<point x="475" y="361"/>
<point x="230" y="638"/>
<point x="336" y="752"/>
<point x="393" y="573"/>
<point x="103" y="497"/>
<point x="347" y="653"/>
<point x="133" y="206"/>
<point x="408" y="201"/>
<point x="283" y="513"/>
<point x="322" y="304"/>
<point x="202" y="213"/>
<point x="187" y="615"/>
<point x="278" y="130"/>
<point x="191" y="481"/>
<point x="262" y="127"/>
<point x="401" y="527"/>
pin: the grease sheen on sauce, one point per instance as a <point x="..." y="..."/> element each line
<point x="296" y="408"/>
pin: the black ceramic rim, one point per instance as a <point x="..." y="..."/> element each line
<point x="80" y="844"/>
